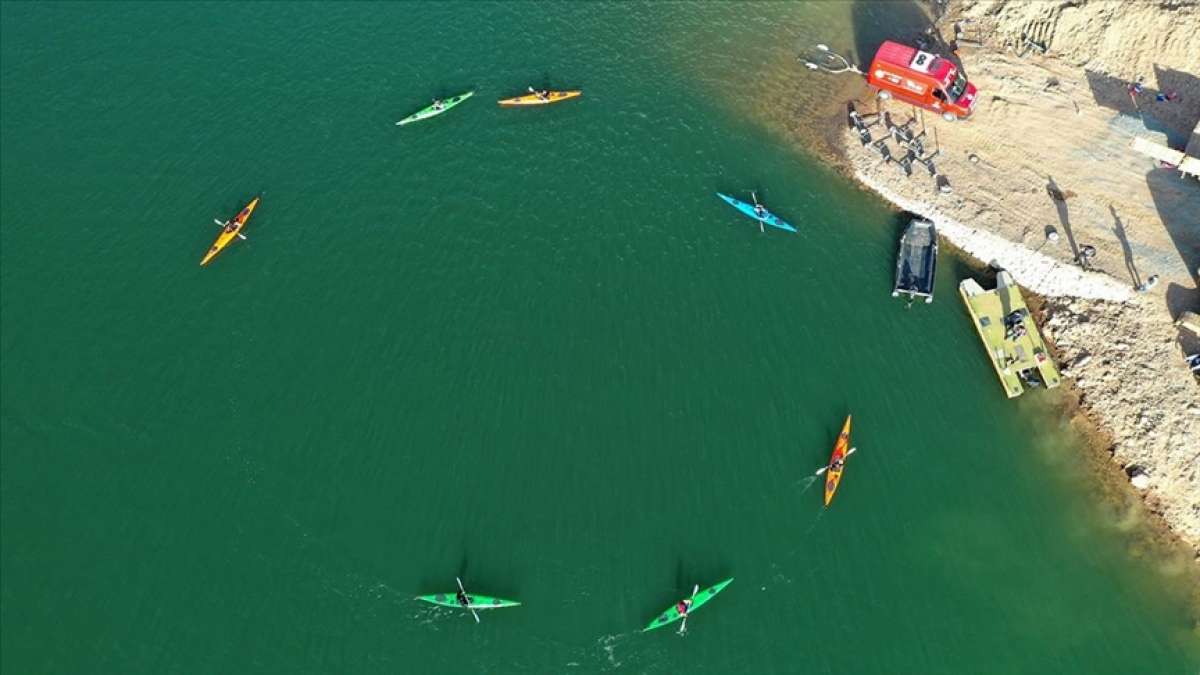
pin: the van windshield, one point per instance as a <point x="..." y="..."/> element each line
<point x="956" y="88"/>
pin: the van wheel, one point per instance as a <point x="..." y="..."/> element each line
<point x="884" y="95"/>
<point x="949" y="117"/>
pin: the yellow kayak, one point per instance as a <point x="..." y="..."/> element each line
<point x="833" y="477"/>
<point x="231" y="231"/>
<point x="545" y="98"/>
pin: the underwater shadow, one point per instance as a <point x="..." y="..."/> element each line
<point x="897" y="223"/>
<point x="960" y="268"/>
<point x="873" y="22"/>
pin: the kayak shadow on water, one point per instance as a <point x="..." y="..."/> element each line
<point x="438" y="581"/>
<point x="445" y="91"/>
<point x="686" y="578"/>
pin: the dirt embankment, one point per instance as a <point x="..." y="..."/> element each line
<point x="1042" y="181"/>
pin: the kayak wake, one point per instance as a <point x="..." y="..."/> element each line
<point x="807" y="482"/>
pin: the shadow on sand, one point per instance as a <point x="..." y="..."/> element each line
<point x="1174" y="119"/>
<point x="1178" y="202"/>
<point x="1182" y="299"/>
<point x="1123" y="237"/>
<point x="1059" y="197"/>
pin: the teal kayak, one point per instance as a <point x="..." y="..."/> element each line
<point x="433" y="110"/>
<point x="476" y="601"/>
<point x="748" y="209"/>
<point x="671" y="615"/>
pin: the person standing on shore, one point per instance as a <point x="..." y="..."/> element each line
<point x="1136" y="88"/>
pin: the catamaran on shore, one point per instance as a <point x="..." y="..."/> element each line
<point x="1010" y="335"/>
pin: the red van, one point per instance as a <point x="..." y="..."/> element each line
<point x="922" y="79"/>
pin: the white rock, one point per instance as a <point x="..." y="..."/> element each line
<point x="1140" y="481"/>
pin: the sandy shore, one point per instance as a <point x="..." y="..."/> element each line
<point x="1043" y="172"/>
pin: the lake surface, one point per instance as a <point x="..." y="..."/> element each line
<point x="529" y="348"/>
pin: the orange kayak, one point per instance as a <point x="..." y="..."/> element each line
<point x="534" y="99"/>
<point x="840" y="449"/>
<point x="231" y="231"/>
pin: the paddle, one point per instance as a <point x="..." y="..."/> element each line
<point x="826" y="467"/>
<point x="464" y="592"/>
<point x="691" y="601"/>
<point x="537" y="93"/>
<point x="239" y="234"/>
<point x="756" y="205"/>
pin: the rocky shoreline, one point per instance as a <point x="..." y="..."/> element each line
<point x="1044" y="171"/>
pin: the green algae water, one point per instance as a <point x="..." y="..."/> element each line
<point x="529" y="348"/>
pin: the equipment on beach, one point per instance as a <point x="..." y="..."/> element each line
<point x="833" y="476"/>
<point x="232" y="229"/>
<point x="433" y="109"/>
<point x="672" y="614"/>
<point x="533" y="98"/>
<point x="748" y="209"/>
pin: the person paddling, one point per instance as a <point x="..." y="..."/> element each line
<point x="683" y="606"/>
<point x="463" y="599"/>
<point x="760" y="212"/>
<point x="542" y="94"/>
<point x="231" y="225"/>
<point x="437" y="104"/>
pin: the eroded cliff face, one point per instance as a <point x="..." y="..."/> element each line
<point x="1113" y="42"/>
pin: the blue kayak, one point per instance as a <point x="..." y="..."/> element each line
<point x="748" y="209"/>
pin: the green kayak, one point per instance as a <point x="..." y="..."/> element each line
<point x="432" y="110"/>
<point x="671" y="615"/>
<point x="476" y="601"/>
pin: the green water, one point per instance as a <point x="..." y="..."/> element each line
<point x="526" y="347"/>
